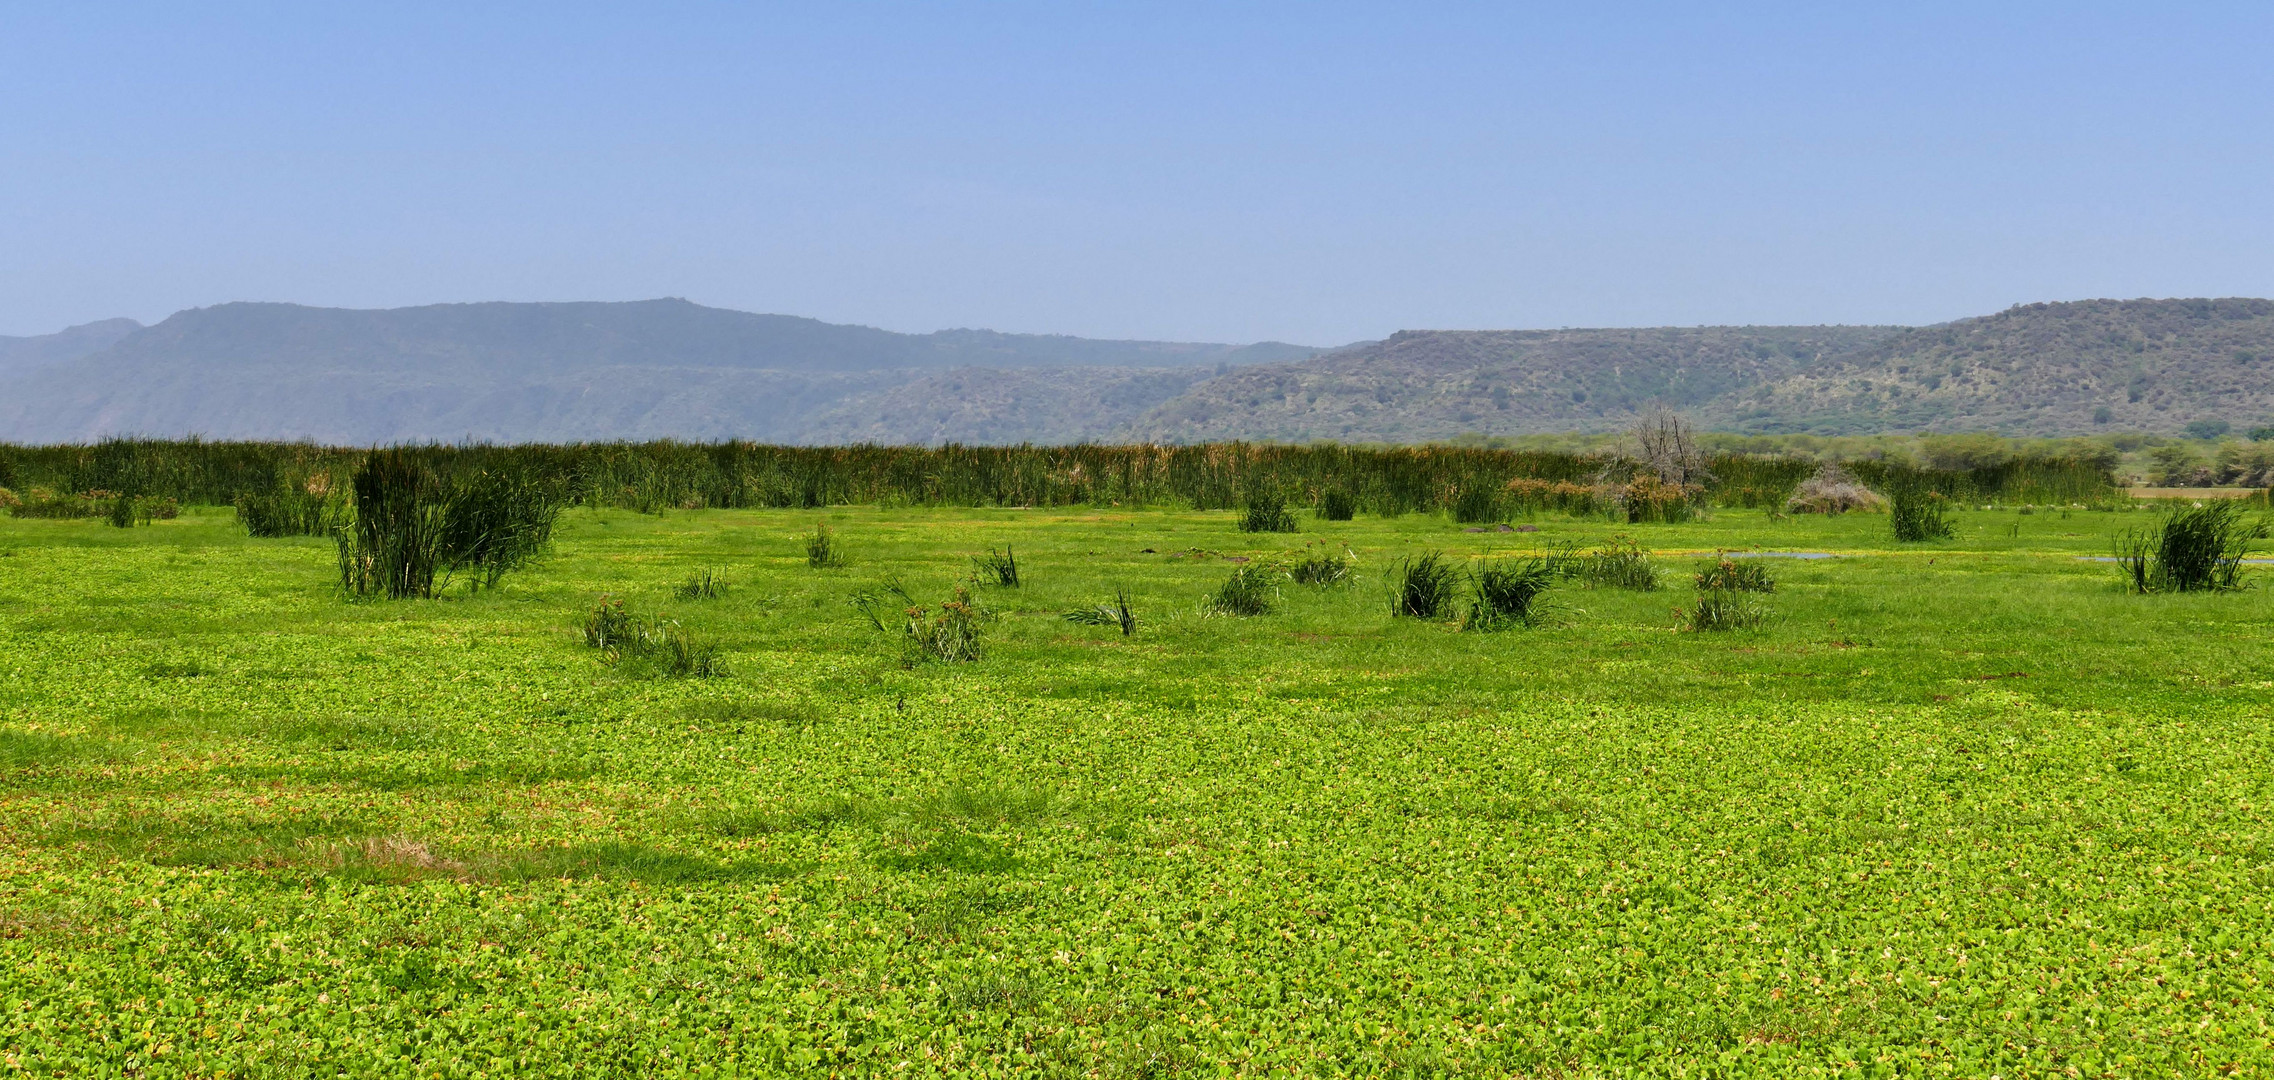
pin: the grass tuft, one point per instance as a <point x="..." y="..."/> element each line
<point x="1919" y="514"/>
<point x="1618" y="564"/>
<point x="1733" y="575"/>
<point x="822" y="549"/>
<point x="1337" y="505"/>
<point x="1424" y="587"/>
<point x="1723" y="609"/>
<point x="1509" y="595"/>
<point x="952" y="635"/>
<point x="1267" y="514"/>
<point x="998" y="568"/>
<point x="708" y="585"/>
<point x="1251" y="590"/>
<point x="1321" y="569"/>
<point x="656" y="646"/>
<point x="1118" y="613"/>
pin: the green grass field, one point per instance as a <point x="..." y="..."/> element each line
<point x="1959" y="809"/>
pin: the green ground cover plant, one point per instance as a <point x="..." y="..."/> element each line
<point x="1973" y="810"/>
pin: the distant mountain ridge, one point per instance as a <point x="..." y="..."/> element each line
<point x="20" y="356"/>
<point x="672" y="369"/>
<point x="513" y="372"/>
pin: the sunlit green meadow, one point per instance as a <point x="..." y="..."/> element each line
<point x="1959" y="809"/>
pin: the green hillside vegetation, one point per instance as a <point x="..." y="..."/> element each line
<point x="1432" y="385"/>
<point x="669" y="801"/>
<point x="2039" y="369"/>
<point x="2090" y="367"/>
<point x="1000" y="406"/>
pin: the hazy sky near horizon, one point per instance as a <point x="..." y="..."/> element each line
<point x="1316" y="173"/>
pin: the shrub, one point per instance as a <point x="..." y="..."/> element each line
<point x="1732" y="575"/>
<point x="1722" y="609"/>
<point x="1118" y="613"/>
<point x="951" y="636"/>
<point x="289" y="513"/>
<point x="1424" y="587"/>
<point x="1267" y="513"/>
<point x="1649" y="498"/>
<point x="1619" y="564"/>
<point x="127" y="511"/>
<point x="9" y="499"/>
<point x="41" y="503"/>
<point x="1833" y="491"/>
<point x="1526" y="495"/>
<point x="822" y="551"/>
<point x="1337" y="505"/>
<point x="1002" y="568"/>
<point x="1476" y="506"/>
<point x="2189" y="549"/>
<point x="707" y="585"/>
<point x="1507" y="595"/>
<point x="1920" y="514"/>
<point x="1250" y="590"/>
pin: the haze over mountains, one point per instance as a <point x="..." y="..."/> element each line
<point x="669" y="368"/>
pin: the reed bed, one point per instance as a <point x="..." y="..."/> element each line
<point x="664" y="476"/>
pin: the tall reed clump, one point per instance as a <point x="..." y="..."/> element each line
<point x="411" y="525"/>
<point x="1336" y="504"/>
<point x="1267" y="514"/>
<point x="127" y="511"/>
<point x="823" y="551"/>
<point x="290" y="513"/>
<point x="1251" y="590"/>
<point x="1118" y="613"/>
<point x="393" y="547"/>
<point x="1509" y="595"/>
<point x="1423" y="587"/>
<point x="1477" y="505"/>
<point x="648" y="645"/>
<point x="2189" y="549"/>
<point x="1920" y="513"/>
<point x="998" y="568"/>
<point x="1619" y="564"/>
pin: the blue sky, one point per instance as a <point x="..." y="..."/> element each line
<point x="1316" y="173"/>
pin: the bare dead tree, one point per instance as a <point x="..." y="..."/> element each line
<point x="1668" y="445"/>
